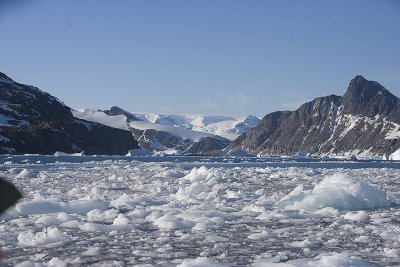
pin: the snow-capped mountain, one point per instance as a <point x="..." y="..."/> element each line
<point x="32" y="121"/>
<point x="365" y="121"/>
<point x="227" y="127"/>
<point x="154" y="136"/>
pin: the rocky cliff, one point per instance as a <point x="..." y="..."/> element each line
<point x="32" y="121"/>
<point x="364" y="121"/>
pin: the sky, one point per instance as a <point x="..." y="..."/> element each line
<point x="214" y="57"/>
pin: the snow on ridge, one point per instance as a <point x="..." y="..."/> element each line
<point x="117" y="121"/>
<point x="186" y="126"/>
<point x="177" y="131"/>
<point x="224" y="126"/>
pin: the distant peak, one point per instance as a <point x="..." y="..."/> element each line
<point x="358" y="81"/>
<point x="5" y="77"/>
<point x="115" y="110"/>
<point x="359" y="77"/>
<point x="368" y="98"/>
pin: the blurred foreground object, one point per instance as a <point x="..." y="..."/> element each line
<point x="9" y="195"/>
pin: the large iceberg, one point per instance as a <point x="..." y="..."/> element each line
<point x="337" y="191"/>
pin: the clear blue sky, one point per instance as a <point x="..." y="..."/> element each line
<point x="222" y="57"/>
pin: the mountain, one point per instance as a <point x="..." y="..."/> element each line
<point x="153" y="136"/>
<point x="365" y="121"/>
<point x="224" y="126"/>
<point x="34" y="122"/>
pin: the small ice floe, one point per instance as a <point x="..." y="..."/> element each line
<point x="323" y="260"/>
<point x="359" y="216"/>
<point x="339" y="192"/>
<point x="48" y="237"/>
<point x="172" y="222"/>
<point x="120" y="224"/>
<point x="260" y="236"/>
<point x="43" y="206"/>
<point x="138" y="153"/>
<point x="54" y="219"/>
<point x="200" y="262"/>
<point x="25" y="173"/>
<point x="394" y="156"/>
<point x="63" y="154"/>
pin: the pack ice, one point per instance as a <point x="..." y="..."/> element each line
<point x="123" y="211"/>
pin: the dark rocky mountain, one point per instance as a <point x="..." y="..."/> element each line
<point x="154" y="137"/>
<point x="364" y="121"/>
<point x="32" y="121"/>
<point x="113" y="111"/>
<point x="208" y="146"/>
<point x="153" y="141"/>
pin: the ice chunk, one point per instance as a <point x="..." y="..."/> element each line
<point x="395" y="155"/>
<point x="49" y="220"/>
<point x="200" y="262"/>
<point x="359" y="216"/>
<point x="337" y="191"/>
<point x="323" y="260"/>
<point x="172" y="222"/>
<point x="138" y="153"/>
<point x="260" y="236"/>
<point x="115" y="227"/>
<point x="100" y="215"/>
<point x="50" y="206"/>
<point x="48" y="237"/>
<point x="56" y="262"/>
<point x="95" y="251"/>
<point x="25" y="173"/>
<point x="29" y="264"/>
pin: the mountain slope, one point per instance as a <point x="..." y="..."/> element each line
<point x="227" y="127"/>
<point x="365" y="122"/>
<point x="32" y="121"/>
<point x="154" y="136"/>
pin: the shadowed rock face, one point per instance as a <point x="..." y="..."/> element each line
<point x="153" y="140"/>
<point x="368" y="98"/>
<point x="366" y="118"/>
<point x="36" y="122"/>
<point x="113" y="111"/>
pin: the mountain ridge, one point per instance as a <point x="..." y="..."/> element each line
<point x="35" y="122"/>
<point x="364" y="121"/>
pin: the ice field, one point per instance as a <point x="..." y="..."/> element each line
<point x="192" y="211"/>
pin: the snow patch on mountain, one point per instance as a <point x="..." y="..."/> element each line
<point x="118" y="121"/>
<point x="176" y="131"/>
<point x="224" y="126"/>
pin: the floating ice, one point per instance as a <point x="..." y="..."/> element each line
<point x="138" y="153"/>
<point x="25" y="173"/>
<point x="51" y="206"/>
<point x="48" y="237"/>
<point x="200" y="182"/>
<point x="337" y="191"/>
<point x="260" y="236"/>
<point x="323" y="260"/>
<point x="55" y="219"/>
<point x="359" y="216"/>
<point x="172" y="222"/>
<point x="200" y="262"/>
<point x="100" y="215"/>
<point x="395" y="155"/>
<point x="29" y="264"/>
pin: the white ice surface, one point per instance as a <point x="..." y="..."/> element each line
<point x="337" y="191"/>
<point x="118" y="121"/>
<point x="118" y="212"/>
<point x="173" y="130"/>
<point x="227" y="127"/>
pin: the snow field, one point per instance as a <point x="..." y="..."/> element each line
<point x="170" y="214"/>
